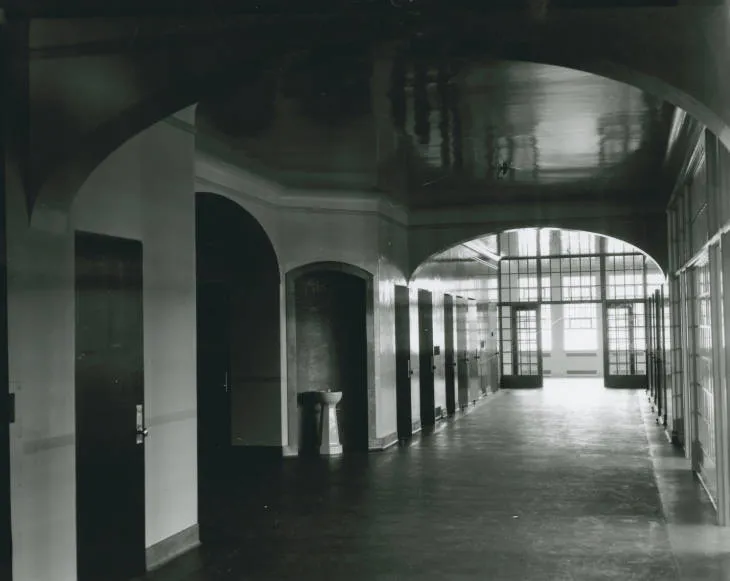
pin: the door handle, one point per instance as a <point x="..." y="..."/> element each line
<point x="225" y="383"/>
<point x="142" y="432"/>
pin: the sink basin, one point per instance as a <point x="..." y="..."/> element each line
<point x="330" y="397"/>
<point x="319" y="397"/>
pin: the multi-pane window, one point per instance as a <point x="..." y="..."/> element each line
<point x="572" y="242"/>
<point x="527" y="289"/>
<point x="580" y="288"/>
<point x="550" y="266"/>
<point x="546" y="328"/>
<point x="625" y="285"/>
<point x="580" y="327"/>
<point x="546" y="291"/>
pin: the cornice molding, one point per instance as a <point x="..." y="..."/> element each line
<point x="210" y="170"/>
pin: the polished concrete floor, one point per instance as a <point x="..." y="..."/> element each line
<point x="563" y="483"/>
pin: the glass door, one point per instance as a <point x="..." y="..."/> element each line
<point x="526" y="347"/>
<point x="625" y="350"/>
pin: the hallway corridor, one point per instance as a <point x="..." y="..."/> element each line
<point x="551" y="484"/>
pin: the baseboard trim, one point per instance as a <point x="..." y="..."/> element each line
<point x="172" y="547"/>
<point x="379" y="444"/>
<point x="289" y="452"/>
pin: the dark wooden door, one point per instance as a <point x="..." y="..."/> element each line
<point x="426" y="359"/>
<point x="110" y="489"/>
<point x="6" y="544"/>
<point x="449" y="355"/>
<point x="403" y="362"/>
<point x="472" y="329"/>
<point x="214" y="372"/>
<point x="462" y="354"/>
<point x="350" y="332"/>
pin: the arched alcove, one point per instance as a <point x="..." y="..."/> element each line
<point x="330" y="345"/>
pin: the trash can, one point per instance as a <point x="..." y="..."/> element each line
<point x="310" y="419"/>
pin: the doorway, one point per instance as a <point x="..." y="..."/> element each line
<point x="625" y="339"/>
<point x="449" y="356"/>
<point x="462" y="353"/>
<point x="403" y="369"/>
<point x="329" y="317"/>
<point x="238" y="351"/>
<point x="526" y="348"/>
<point x="110" y="471"/>
<point x="426" y="357"/>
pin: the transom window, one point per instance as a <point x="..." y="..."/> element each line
<point x="527" y="289"/>
<point x="625" y="285"/>
<point x="580" y="288"/>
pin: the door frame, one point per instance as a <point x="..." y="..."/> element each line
<point x="7" y="410"/>
<point x="427" y="366"/>
<point x="461" y="351"/>
<point x="403" y="366"/>
<point x="131" y="248"/>
<point x="449" y="354"/>
<point x="516" y="381"/>
<point x="632" y="380"/>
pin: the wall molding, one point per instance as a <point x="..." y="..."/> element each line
<point x="211" y="170"/>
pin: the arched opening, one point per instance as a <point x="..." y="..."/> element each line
<point x="238" y="339"/>
<point x="330" y="341"/>
<point x="563" y="303"/>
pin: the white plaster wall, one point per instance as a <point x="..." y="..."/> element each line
<point x="41" y="368"/>
<point x="314" y="226"/>
<point x="391" y="271"/>
<point x="145" y="191"/>
<point x="142" y="191"/>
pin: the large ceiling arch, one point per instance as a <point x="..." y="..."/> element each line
<point x="484" y="248"/>
<point x="643" y="232"/>
<point x="674" y="53"/>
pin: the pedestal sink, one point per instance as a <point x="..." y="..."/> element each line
<point x="328" y="433"/>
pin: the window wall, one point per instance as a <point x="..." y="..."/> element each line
<point x="697" y="329"/>
<point x="573" y="276"/>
